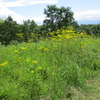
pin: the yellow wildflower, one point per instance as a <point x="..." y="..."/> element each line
<point x="27" y="59"/>
<point x="39" y="68"/>
<point x="15" y="50"/>
<point x="59" y="35"/>
<point x="46" y="49"/>
<point x="19" y="58"/>
<point x="32" y="71"/>
<point x="41" y="47"/>
<point x="4" y="63"/>
<point x="22" y="48"/>
<point x="35" y="62"/>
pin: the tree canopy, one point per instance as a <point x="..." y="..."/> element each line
<point x="57" y="17"/>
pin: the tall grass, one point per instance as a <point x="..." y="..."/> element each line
<point x="49" y="69"/>
<point x="45" y="70"/>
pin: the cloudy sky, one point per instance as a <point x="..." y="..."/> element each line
<point x="85" y="11"/>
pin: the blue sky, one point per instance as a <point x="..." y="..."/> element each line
<point x="85" y="11"/>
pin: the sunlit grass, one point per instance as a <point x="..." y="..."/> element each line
<point x="46" y="69"/>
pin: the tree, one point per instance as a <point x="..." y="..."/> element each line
<point x="8" y="30"/>
<point x="29" y="26"/>
<point x="57" y="17"/>
<point x="91" y="29"/>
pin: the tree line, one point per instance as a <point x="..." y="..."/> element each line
<point x="11" y="31"/>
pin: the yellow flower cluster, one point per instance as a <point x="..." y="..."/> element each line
<point x="27" y="59"/>
<point x="43" y="48"/>
<point x="16" y="51"/>
<point x="32" y="71"/>
<point x="22" y="48"/>
<point x="19" y="58"/>
<point x="5" y="63"/>
<point x="39" y="68"/>
<point x="35" y="62"/>
<point x="66" y="34"/>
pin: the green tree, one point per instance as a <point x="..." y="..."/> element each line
<point x="57" y="17"/>
<point x="8" y="31"/>
<point x="28" y="27"/>
<point x="91" y="29"/>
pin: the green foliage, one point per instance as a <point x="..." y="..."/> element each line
<point x="8" y="31"/>
<point x="27" y="37"/>
<point x="48" y="69"/>
<point x="57" y="22"/>
<point x="29" y="26"/>
<point x="1" y="21"/>
<point x="10" y="28"/>
<point x="91" y="29"/>
<point x="57" y="17"/>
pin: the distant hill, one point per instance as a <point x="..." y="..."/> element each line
<point x="1" y="21"/>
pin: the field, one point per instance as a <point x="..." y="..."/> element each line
<point x="1" y="21"/>
<point x="57" y="69"/>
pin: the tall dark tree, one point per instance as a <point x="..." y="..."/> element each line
<point x="57" y="17"/>
<point x="8" y="30"/>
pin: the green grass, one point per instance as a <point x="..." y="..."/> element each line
<point x="1" y="21"/>
<point x="48" y="70"/>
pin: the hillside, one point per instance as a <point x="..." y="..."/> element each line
<point x="1" y="21"/>
<point x="51" y="70"/>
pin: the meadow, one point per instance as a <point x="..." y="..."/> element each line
<point x="52" y="69"/>
<point x="1" y="21"/>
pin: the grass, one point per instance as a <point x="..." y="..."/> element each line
<point x="49" y="70"/>
<point x="1" y="21"/>
<point x="92" y="89"/>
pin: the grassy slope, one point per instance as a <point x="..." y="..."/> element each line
<point x="90" y="91"/>
<point x="61" y="62"/>
<point x="93" y="89"/>
<point x="1" y="21"/>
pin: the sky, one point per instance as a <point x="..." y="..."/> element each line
<point x="85" y="11"/>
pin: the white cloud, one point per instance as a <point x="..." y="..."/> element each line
<point x="42" y="1"/>
<point x="15" y="3"/>
<point x="88" y="15"/>
<point x="27" y="2"/>
<point x="5" y="12"/>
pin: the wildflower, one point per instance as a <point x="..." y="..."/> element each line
<point x="35" y="62"/>
<point x="27" y="60"/>
<point x="51" y="33"/>
<point x="46" y="49"/>
<point x="42" y="47"/>
<point x="4" y="63"/>
<point x="59" y="35"/>
<point x="32" y="71"/>
<point x="15" y="50"/>
<point x="39" y="68"/>
<point x="22" y="48"/>
<point x="19" y="58"/>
